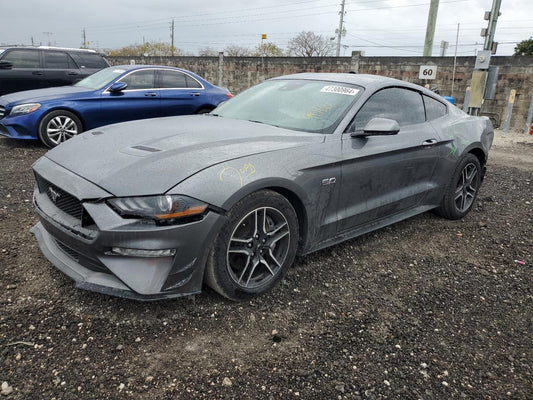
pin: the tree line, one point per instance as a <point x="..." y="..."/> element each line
<point x="305" y="44"/>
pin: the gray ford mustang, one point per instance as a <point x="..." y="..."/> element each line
<point x="152" y="209"/>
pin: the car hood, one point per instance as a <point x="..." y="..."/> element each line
<point x="152" y="156"/>
<point x="40" y="95"/>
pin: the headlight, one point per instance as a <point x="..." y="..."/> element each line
<point x="159" y="208"/>
<point x="22" y="109"/>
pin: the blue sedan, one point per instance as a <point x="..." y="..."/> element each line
<point x="115" y="94"/>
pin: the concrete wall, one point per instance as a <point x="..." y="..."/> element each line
<point x="239" y="73"/>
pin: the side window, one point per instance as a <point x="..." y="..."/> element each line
<point x="192" y="83"/>
<point x="143" y="79"/>
<point x="89" y="60"/>
<point x="402" y="105"/>
<point x="23" y="58"/>
<point x="434" y="108"/>
<point x="172" y="79"/>
<point x="57" y="60"/>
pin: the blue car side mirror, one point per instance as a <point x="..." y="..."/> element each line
<point x="118" y="87"/>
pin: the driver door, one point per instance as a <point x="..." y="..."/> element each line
<point x="386" y="175"/>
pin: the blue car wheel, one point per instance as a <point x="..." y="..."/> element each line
<point x="58" y="126"/>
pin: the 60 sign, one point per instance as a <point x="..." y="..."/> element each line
<point x="427" y="72"/>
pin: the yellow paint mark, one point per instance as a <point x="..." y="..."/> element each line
<point x="512" y="96"/>
<point x="240" y="173"/>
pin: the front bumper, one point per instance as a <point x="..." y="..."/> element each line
<point x="81" y="249"/>
<point x="20" y="127"/>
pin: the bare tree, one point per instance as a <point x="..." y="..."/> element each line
<point x="208" y="52"/>
<point x="268" y="49"/>
<point x="309" y="44"/>
<point x="237" y="51"/>
<point x="146" y="49"/>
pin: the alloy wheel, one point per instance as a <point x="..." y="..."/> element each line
<point x="467" y="187"/>
<point x="61" y="128"/>
<point x="258" y="247"/>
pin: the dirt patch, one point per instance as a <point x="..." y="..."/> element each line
<point x="426" y="308"/>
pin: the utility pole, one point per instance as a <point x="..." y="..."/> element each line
<point x="172" y="38"/>
<point x="340" y="32"/>
<point x="430" y="29"/>
<point x="84" y="37"/>
<point x="48" y="34"/>
<point x="488" y="33"/>
<point x="455" y="58"/>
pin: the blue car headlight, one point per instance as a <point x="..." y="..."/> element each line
<point x="22" y="109"/>
<point x="165" y="208"/>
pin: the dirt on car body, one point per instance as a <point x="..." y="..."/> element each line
<point x="426" y="308"/>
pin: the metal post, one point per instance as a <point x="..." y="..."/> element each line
<point x="220" y="67"/>
<point x="430" y="29"/>
<point x="339" y="31"/>
<point x="467" y="99"/>
<point x="172" y="39"/>
<point x="529" y="117"/>
<point x="491" y="29"/>
<point x="455" y="59"/>
<point x="509" y="111"/>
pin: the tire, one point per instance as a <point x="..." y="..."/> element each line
<point x="58" y="126"/>
<point x="254" y="247"/>
<point x="462" y="189"/>
<point x="204" y="110"/>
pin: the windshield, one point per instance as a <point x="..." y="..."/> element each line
<point x="303" y="105"/>
<point x="101" y="78"/>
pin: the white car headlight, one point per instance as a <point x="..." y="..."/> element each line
<point x="22" y="109"/>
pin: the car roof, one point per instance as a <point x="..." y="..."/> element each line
<point x="365" y="80"/>
<point x="68" y="49"/>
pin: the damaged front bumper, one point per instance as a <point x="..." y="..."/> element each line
<point x="82" y="247"/>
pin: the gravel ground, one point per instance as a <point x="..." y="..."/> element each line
<point x="424" y="309"/>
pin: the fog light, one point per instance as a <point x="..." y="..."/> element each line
<point x="142" y="253"/>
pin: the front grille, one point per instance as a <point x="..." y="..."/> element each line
<point x="90" y="263"/>
<point x="62" y="200"/>
<point x="72" y="253"/>
<point x="2" y="112"/>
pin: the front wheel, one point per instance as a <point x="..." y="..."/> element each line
<point x="58" y="126"/>
<point x="462" y="190"/>
<point x="254" y="247"/>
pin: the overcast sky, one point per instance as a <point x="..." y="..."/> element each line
<point x="378" y="27"/>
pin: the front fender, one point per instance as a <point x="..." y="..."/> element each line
<point x="225" y="184"/>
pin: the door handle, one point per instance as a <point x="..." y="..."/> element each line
<point x="150" y="94"/>
<point x="195" y="94"/>
<point x="37" y="73"/>
<point x="73" y="73"/>
<point x="429" y="142"/>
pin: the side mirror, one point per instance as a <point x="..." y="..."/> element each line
<point x="379" y="127"/>
<point x="5" y="65"/>
<point x="118" y="87"/>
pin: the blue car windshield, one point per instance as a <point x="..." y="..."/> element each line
<point x="303" y="105"/>
<point x="101" y="78"/>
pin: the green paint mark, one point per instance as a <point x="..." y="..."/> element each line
<point x="452" y="152"/>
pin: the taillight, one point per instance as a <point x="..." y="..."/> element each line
<point x="229" y="95"/>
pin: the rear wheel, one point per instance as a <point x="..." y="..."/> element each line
<point x="204" y="110"/>
<point x="58" y="126"/>
<point x="255" y="246"/>
<point x="462" y="190"/>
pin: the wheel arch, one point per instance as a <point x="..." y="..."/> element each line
<point x="301" y="212"/>
<point x="209" y="107"/>
<point x="480" y="154"/>
<point x="287" y="189"/>
<point x="62" y="108"/>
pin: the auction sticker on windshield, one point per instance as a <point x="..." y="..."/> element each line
<point x="340" y="90"/>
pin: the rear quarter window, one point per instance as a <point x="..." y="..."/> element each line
<point x="89" y="60"/>
<point x="434" y="108"/>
